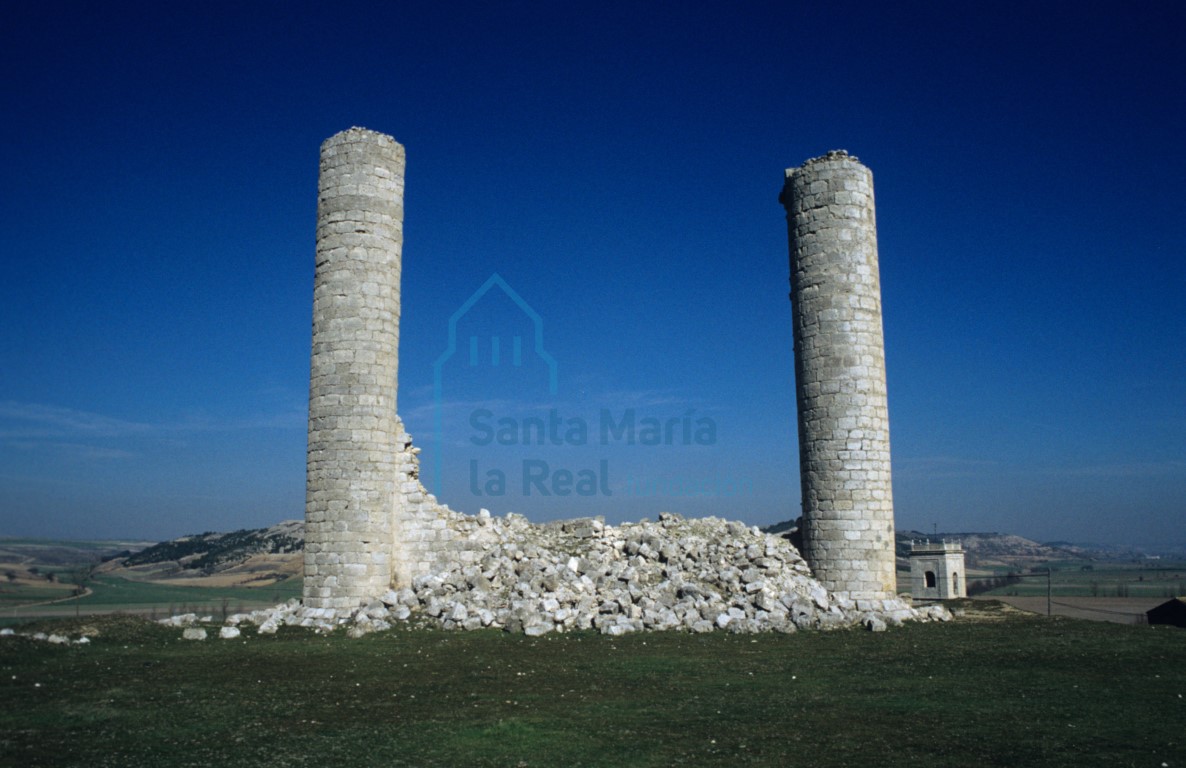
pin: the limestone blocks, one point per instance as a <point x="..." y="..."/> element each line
<point x="352" y="451"/>
<point x="844" y="450"/>
<point x="698" y="575"/>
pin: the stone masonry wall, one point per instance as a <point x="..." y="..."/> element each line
<point x="352" y="451"/>
<point x="844" y="448"/>
<point x="370" y="524"/>
<point x="428" y="536"/>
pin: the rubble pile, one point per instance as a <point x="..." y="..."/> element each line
<point x="692" y="575"/>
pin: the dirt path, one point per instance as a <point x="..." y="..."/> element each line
<point x="85" y="591"/>
<point x="1120" y="610"/>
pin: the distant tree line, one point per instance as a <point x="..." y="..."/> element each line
<point x="980" y="586"/>
<point x="116" y="556"/>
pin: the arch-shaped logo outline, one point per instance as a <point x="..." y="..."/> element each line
<point x="538" y="324"/>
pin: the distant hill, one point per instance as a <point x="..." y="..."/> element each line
<point x="61" y="553"/>
<point x="248" y="557"/>
<point x="52" y="564"/>
<point x="263" y="556"/>
<point x="982" y="550"/>
<point x="210" y="552"/>
<point x="990" y="550"/>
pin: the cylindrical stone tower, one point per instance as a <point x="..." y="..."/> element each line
<point x="352" y="479"/>
<point x="844" y="448"/>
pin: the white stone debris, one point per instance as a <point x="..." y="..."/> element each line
<point x="54" y="639"/>
<point x="673" y="574"/>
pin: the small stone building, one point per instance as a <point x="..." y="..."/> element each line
<point x="937" y="570"/>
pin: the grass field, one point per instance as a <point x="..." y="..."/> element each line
<point x="1014" y="691"/>
<point x="1140" y="579"/>
<point x="109" y="591"/>
<point x="11" y="597"/>
<point x="111" y="594"/>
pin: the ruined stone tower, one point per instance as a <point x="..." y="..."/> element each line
<point x="844" y="449"/>
<point x="354" y="434"/>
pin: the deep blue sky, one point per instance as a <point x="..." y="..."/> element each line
<point x="618" y="165"/>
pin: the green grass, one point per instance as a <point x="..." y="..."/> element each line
<point x="1026" y="691"/>
<point x="113" y="591"/>
<point x="1136" y="579"/>
<point x="113" y="594"/>
<point x="12" y="595"/>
